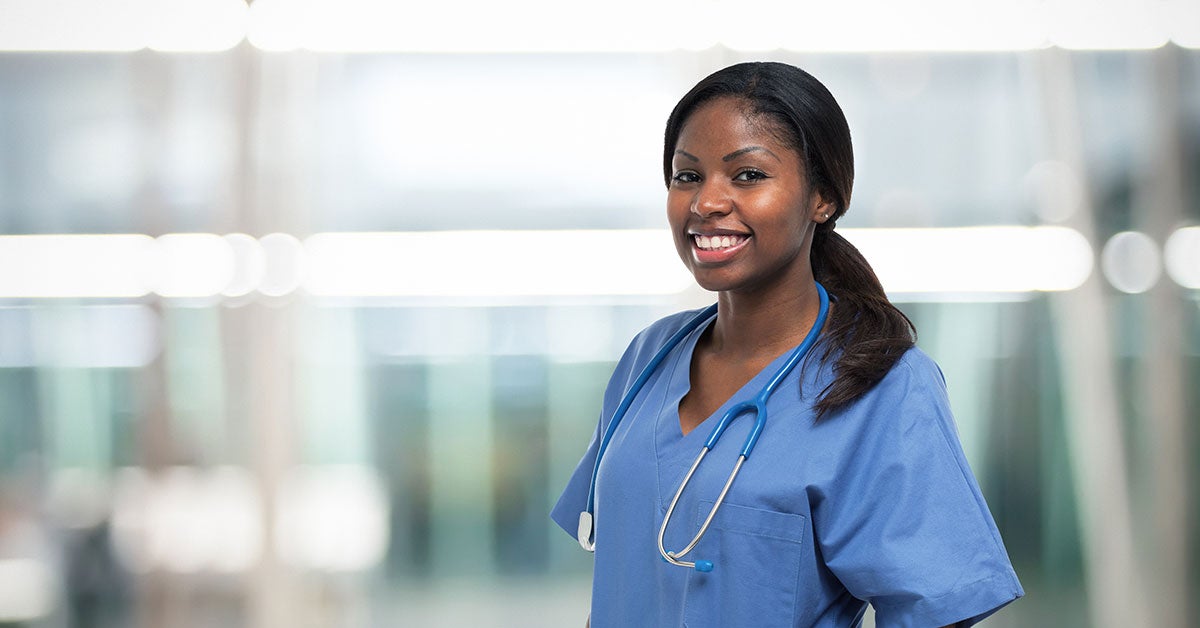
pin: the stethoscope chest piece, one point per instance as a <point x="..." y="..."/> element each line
<point x="586" y="529"/>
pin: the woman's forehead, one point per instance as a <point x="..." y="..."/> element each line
<point x="732" y="120"/>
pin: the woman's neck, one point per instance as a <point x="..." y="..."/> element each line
<point x="762" y="325"/>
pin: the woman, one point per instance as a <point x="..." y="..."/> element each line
<point x="858" y="491"/>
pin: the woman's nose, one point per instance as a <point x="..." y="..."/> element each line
<point x="712" y="200"/>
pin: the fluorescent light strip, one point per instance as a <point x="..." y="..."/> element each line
<point x="494" y="264"/>
<point x="549" y="26"/>
<point x="965" y="260"/>
<point x="1183" y="18"/>
<point x="192" y="265"/>
<point x="115" y="265"/>
<point x="522" y="264"/>
<point x="1111" y="25"/>
<point x="932" y="25"/>
<point x="41" y="266"/>
<point x="122" y="25"/>
<point x="455" y="26"/>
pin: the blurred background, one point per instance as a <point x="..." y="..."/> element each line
<point x="306" y="307"/>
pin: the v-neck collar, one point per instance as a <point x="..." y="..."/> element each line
<point x="675" y="451"/>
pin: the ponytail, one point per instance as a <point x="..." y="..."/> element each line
<point x="866" y="333"/>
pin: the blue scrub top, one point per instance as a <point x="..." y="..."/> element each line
<point x="876" y="503"/>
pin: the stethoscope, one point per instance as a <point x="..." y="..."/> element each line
<point x="758" y="405"/>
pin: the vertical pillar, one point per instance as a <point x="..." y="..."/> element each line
<point x="1113" y="575"/>
<point x="260" y="383"/>
<point x="1158" y="209"/>
<point x="272" y="193"/>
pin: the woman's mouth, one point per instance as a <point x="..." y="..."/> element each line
<point x="717" y="242"/>
<point x="716" y="248"/>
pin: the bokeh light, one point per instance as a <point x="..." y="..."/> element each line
<point x="1130" y="261"/>
<point x="1182" y="257"/>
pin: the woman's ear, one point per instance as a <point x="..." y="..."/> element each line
<point x="822" y="210"/>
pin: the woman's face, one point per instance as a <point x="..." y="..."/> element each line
<point x="740" y="207"/>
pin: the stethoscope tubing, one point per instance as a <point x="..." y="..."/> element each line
<point x="587" y="527"/>
<point x="758" y="404"/>
<point x="637" y="386"/>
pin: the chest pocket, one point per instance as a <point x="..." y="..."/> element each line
<point x="756" y="556"/>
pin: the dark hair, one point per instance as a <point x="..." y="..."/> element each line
<point x="866" y="333"/>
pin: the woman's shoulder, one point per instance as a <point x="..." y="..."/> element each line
<point x="913" y="367"/>
<point x="910" y="404"/>
<point x="647" y="343"/>
<point x="657" y="333"/>
<point x="919" y="366"/>
<point x="913" y="387"/>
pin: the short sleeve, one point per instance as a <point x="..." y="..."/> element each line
<point x="904" y="524"/>
<point x="573" y="499"/>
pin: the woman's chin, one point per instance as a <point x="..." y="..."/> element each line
<point x="714" y="284"/>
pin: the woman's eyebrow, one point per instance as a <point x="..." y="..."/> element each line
<point x="742" y="151"/>
<point x="731" y="156"/>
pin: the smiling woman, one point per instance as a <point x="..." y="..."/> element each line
<point x="858" y="492"/>
<point x="759" y="247"/>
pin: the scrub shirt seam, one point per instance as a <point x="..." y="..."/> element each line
<point x="922" y="606"/>
<point x="774" y="537"/>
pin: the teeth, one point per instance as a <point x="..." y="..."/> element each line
<point x="708" y="243"/>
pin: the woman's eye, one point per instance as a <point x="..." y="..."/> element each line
<point x="750" y="175"/>
<point x="685" y="177"/>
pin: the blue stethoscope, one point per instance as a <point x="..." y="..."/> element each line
<point x="758" y="405"/>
